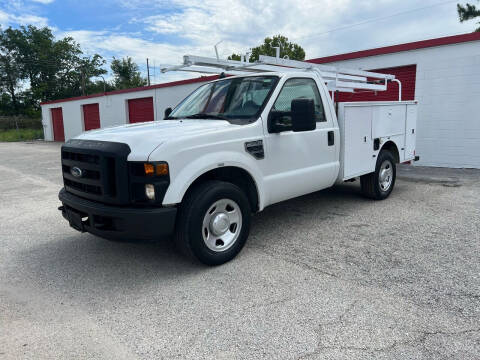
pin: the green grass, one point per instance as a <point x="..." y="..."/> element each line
<point x="21" y="134"/>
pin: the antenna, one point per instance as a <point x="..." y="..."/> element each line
<point x="216" y="50"/>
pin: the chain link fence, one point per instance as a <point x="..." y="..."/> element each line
<point x="20" y="128"/>
<point x="19" y="122"/>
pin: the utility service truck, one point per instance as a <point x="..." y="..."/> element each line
<point x="269" y="131"/>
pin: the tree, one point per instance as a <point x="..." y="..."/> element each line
<point x="10" y="78"/>
<point x="99" y="86"/>
<point x="53" y="69"/>
<point x="48" y="65"/>
<point x="126" y="74"/>
<point x="287" y="48"/>
<point x="468" y="12"/>
<point x="87" y="68"/>
<point x="234" y="56"/>
<point x="10" y="72"/>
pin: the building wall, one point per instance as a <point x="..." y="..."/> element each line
<point x="448" y="91"/>
<point x="406" y="74"/>
<point x="113" y="108"/>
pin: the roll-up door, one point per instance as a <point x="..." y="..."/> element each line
<point x="140" y="110"/>
<point x="91" y="116"/>
<point x="57" y="124"/>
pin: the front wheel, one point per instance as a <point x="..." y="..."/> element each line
<point x="379" y="185"/>
<point x="213" y="222"/>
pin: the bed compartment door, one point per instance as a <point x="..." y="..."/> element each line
<point x="388" y="120"/>
<point x="358" y="142"/>
<point x="410" y="132"/>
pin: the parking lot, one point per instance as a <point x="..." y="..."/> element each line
<point x="330" y="275"/>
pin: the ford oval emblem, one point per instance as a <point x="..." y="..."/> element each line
<point x="77" y="172"/>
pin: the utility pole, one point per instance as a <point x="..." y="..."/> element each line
<point x="148" y="74"/>
<point x="83" y="80"/>
<point x="104" y="84"/>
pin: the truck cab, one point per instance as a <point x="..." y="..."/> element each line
<point x="231" y="148"/>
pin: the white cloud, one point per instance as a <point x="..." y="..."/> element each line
<point x="27" y="19"/>
<point x="4" y="19"/>
<point x="194" y="26"/>
<point x="43" y="1"/>
<point x="8" y="19"/>
<point x="121" y="45"/>
<point x="244" y="23"/>
<point x="21" y="12"/>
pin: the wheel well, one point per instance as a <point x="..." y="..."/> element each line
<point x="390" y="146"/>
<point x="234" y="175"/>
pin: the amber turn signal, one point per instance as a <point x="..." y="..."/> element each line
<point x="161" y="169"/>
<point x="149" y="169"/>
<point x="156" y="169"/>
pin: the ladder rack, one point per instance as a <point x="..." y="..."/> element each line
<point x="336" y="78"/>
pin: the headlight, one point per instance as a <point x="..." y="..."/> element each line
<point x="149" y="181"/>
<point x="150" y="191"/>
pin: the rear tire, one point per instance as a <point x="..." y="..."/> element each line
<point x="379" y="184"/>
<point x="213" y="222"/>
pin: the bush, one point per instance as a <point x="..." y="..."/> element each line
<point x="21" y="134"/>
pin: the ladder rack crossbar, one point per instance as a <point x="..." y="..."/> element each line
<point x="337" y="79"/>
<point x="324" y="68"/>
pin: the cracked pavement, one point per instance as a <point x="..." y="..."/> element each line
<point x="329" y="275"/>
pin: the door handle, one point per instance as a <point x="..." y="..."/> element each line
<point x="331" y="138"/>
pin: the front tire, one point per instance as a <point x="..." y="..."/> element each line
<point x="379" y="184"/>
<point x="213" y="222"/>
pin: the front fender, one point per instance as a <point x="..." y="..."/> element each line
<point x="181" y="181"/>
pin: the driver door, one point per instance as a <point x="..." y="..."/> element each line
<point x="298" y="163"/>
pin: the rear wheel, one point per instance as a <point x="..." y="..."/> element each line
<point x="213" y="222"/>
<point x="379" y="184"/>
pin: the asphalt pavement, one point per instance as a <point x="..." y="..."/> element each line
<point x="329" y="275"/>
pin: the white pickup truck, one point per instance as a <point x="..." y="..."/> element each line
<point x="231" y="148"/>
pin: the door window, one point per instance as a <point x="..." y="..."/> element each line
<point x="298" y="88"/>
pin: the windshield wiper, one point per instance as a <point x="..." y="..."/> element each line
<point x="205" y="116"/>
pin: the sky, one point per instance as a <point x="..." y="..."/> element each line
<point x="165" y="30"/>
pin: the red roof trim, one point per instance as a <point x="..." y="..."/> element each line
<point x="449" y="40"/>
<point x="142" y="88"/>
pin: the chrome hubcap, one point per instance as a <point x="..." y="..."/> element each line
<point x="219" y="224"/>
<point x="385" y="176"/>
<point x="222" y="224"/>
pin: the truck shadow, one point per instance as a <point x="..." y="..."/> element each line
<point x="82" y="261"/>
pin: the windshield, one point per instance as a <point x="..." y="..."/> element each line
<point x="237" y="98"/>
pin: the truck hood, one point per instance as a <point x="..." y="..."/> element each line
<point x="143" y="138"/>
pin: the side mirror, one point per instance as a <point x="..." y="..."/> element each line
<point x="276" y="122"/>
<point x="168" y="111"/>
<point x="303" y="115"/>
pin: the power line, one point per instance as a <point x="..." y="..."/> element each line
<point x="376" y="19"/>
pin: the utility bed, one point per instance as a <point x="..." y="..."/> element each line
<point x="366" y="126"/>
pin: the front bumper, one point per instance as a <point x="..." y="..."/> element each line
<point x="116" y="222"/>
